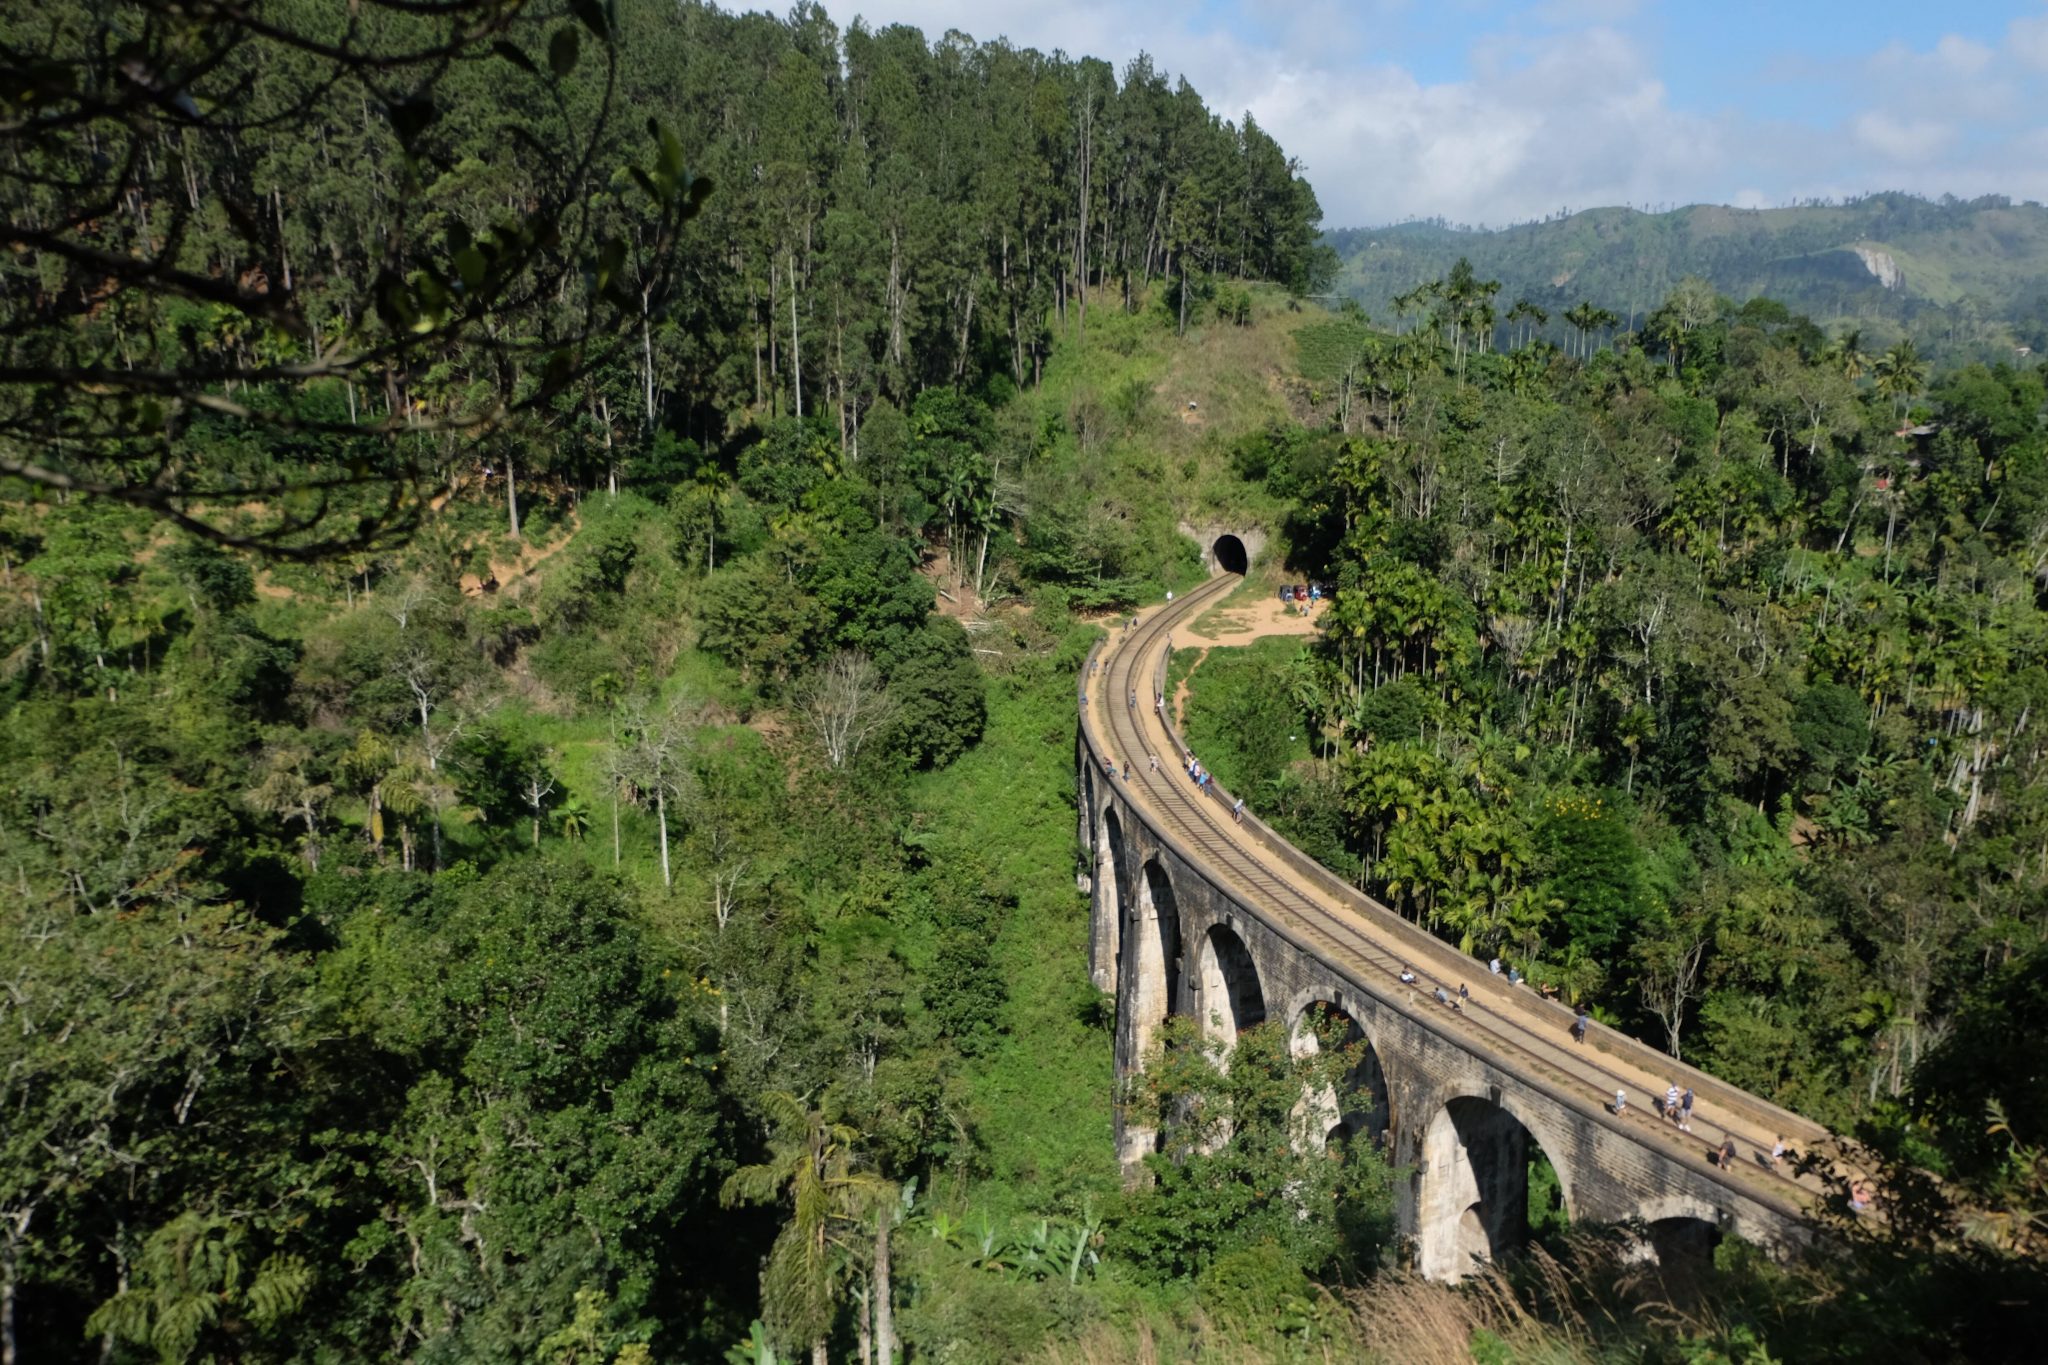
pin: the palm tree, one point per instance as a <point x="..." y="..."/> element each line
<point x="286" y="789"/>
<point x="1900" y="374"/>
<point x="406" y="792"/>
<point x="1404" y="304"/>
<point x="1530" y="316"/>
<point x="1525" y="367"/>
<point x="365" y="767"/>
<point x="1582" y="318"/>
<point x="812" y="1165"/>
<point x="1846" y="353"/>
<point x="1602" y="317"/>
<point x="574" y="818"/>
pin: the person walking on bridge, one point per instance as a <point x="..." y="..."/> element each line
<point x="1685" y="1111"/>
<point x="1620" y="1103"/>
<point x="1133" y="702"/>
<point x="1237" y="811"/>
<point x="1579" y="1027"/>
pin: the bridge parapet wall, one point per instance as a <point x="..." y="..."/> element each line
<point x="1608" y="1171"/>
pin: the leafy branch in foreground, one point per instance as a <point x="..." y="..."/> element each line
<point x="287" y="256"/>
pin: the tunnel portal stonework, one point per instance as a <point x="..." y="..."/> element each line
<point x="1458" y="1126"/>
<point x="1251" y="543"/>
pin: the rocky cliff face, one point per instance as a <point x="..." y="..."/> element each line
<point x="1879" y="263"/>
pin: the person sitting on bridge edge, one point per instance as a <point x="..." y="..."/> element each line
<point x="1580" y="1025"/>
<point x="1514" y="976"/>
<point x="1494" y="966"/>
<point x="1407" y="975"/>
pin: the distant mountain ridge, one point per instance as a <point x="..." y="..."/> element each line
<point x="1966" y="278"/>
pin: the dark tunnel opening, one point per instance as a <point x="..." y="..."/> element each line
<point x="1230" y="555"/>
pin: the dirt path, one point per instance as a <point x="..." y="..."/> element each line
<point x="1249" y="614"/>
<point x="1246" y="615"/>
<point x="530" y="557"/>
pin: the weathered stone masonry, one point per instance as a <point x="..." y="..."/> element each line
<point x="1456" y="1121"/>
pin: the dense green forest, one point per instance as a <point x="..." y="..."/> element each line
<point x="546" y="833"/>
<point x="1688" y="674"/>
<point x="1961" y="278"/>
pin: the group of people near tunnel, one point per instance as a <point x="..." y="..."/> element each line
<point x="1303" y="596"/>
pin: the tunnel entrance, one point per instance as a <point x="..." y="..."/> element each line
<point x="1480" y="1169"/>
<point x="1230" y="555"/>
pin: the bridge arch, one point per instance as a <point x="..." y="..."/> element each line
<point x="1353" y="1105"/>
<point x="1229" y="554"/>
<point x="1154" y="932"/>
<point x="1228" y="994"/>
<point x="1150" y="971"/>
<point x="1473" y="1200"/>
<point x="1680" y="1233"/>
<point x="1109" y="896"/>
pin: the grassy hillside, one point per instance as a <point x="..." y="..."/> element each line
<point x="1966" y="279"/>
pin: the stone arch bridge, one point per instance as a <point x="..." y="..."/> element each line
<point x="1195" y="914"/>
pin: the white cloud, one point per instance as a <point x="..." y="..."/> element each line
<point x="2026" y="38"/>
<point x="1566" y="13"/>
<point x="1901" y="139"/>
<point x="1962" y="56"/>
<point x="1566" y="111"/>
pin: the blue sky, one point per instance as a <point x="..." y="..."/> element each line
<point x="1496" y="111"/>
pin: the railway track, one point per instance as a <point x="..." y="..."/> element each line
<point x="1370" y="944"/>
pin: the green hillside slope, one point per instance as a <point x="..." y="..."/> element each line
<point x="1966" y="279"/>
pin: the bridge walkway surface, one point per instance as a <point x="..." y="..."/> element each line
<point x="1370" y="943"/>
